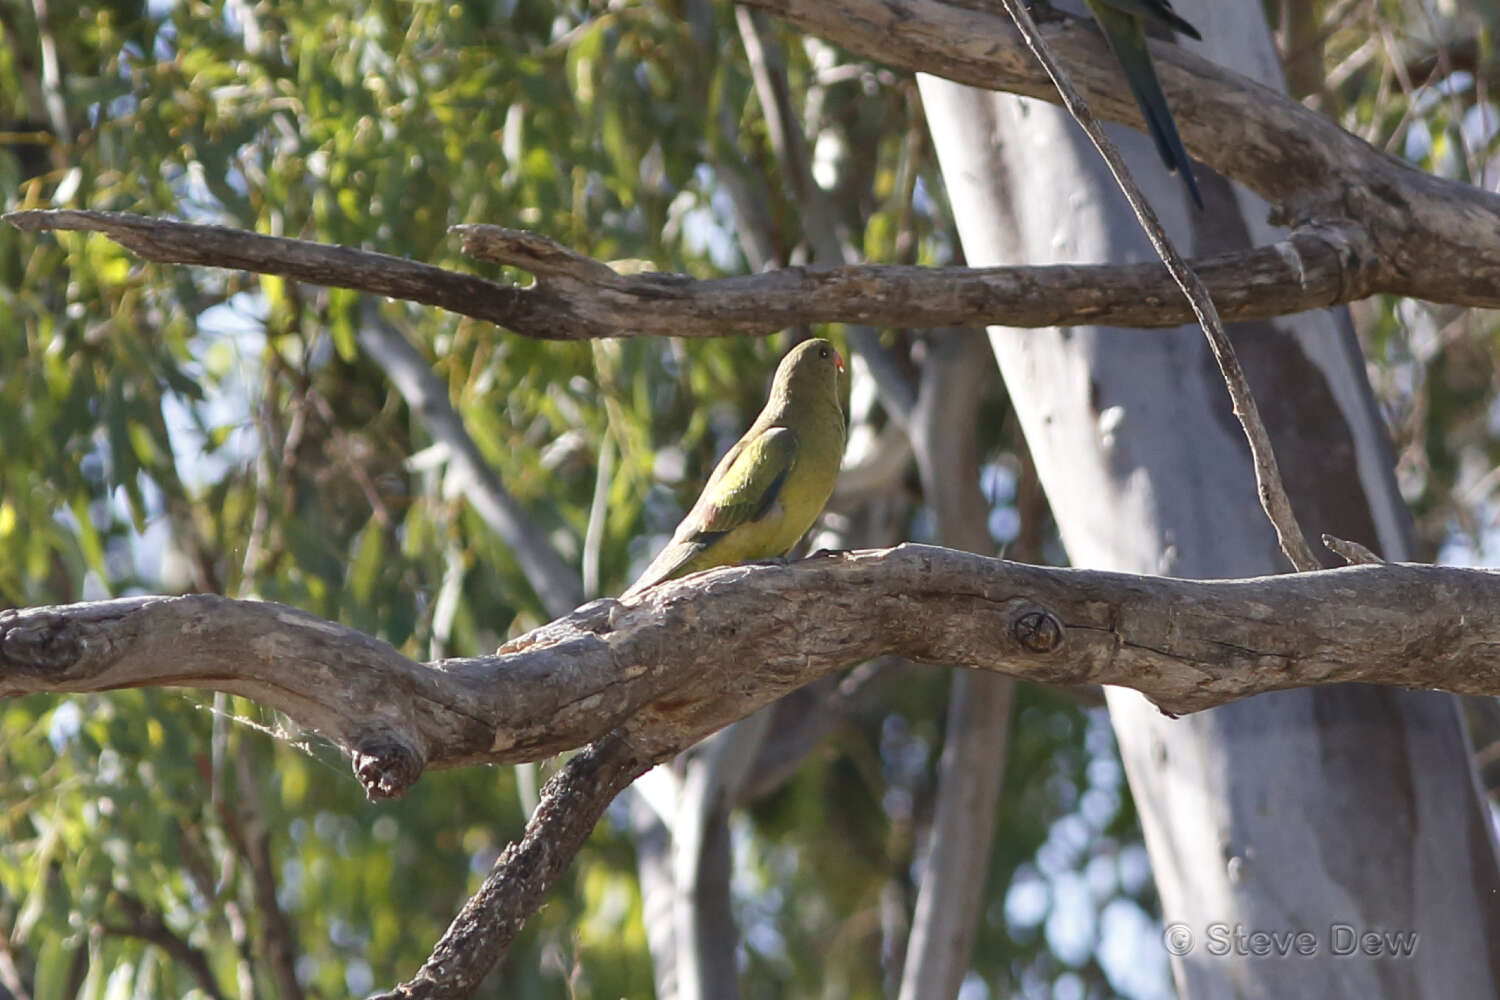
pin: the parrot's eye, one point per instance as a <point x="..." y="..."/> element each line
<point x="822" y="352"/>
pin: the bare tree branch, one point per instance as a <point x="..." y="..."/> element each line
<point x="646" y="678"/>
<point x="1272" y="491"/>
<point x="1320" y="266"/>
<point x="678" y="662"/>
<point x="1351" y="552"/>
<point x="1309" y="169"/>
<point x="316" y="263"/>
<point x="572" y="802"/>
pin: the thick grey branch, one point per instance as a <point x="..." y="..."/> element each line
<point x="1424" y="229"/>
<point x="692" y="655"/>
<point x="645" y="678"/>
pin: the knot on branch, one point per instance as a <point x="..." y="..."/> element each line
<point x="41" y="643"/>
<point x="386" y="767"/>
<point x="1359" y="261"/>
<point x="1037" y="631"/>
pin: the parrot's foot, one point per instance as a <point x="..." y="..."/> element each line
<point x="770" y="561"/>
<point x="827" y="553"/>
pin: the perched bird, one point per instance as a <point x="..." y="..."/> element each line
<point x="769" y="488"/>
<point x="1124" y="25"/>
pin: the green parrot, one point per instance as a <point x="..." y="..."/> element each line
<point x="769" y="488"/>
<point x="1124" y="25"/>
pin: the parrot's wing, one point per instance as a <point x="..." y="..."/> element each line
<point x="746" y="485"/>
<point x="1159" y="11"/>
<point x="1127" y="40"/>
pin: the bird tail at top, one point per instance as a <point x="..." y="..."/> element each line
<point x="1127" y="40"/>
<point x="1161" y="12"/>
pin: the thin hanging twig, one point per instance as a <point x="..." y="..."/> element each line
<point x="1273" y="495"/>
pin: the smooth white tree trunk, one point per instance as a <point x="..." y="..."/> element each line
<point x="1290" y="812"/>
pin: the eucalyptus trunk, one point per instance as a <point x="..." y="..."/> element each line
<point x="1308" y="810"/>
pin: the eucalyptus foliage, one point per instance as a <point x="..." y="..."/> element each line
<point x="165" y="429"/>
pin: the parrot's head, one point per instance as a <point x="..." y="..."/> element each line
<point x="809" y="372"/>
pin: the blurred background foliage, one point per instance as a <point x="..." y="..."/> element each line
<point x="165" y="429"/>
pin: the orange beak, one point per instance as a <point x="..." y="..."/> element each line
<point x="838" y="360"/>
